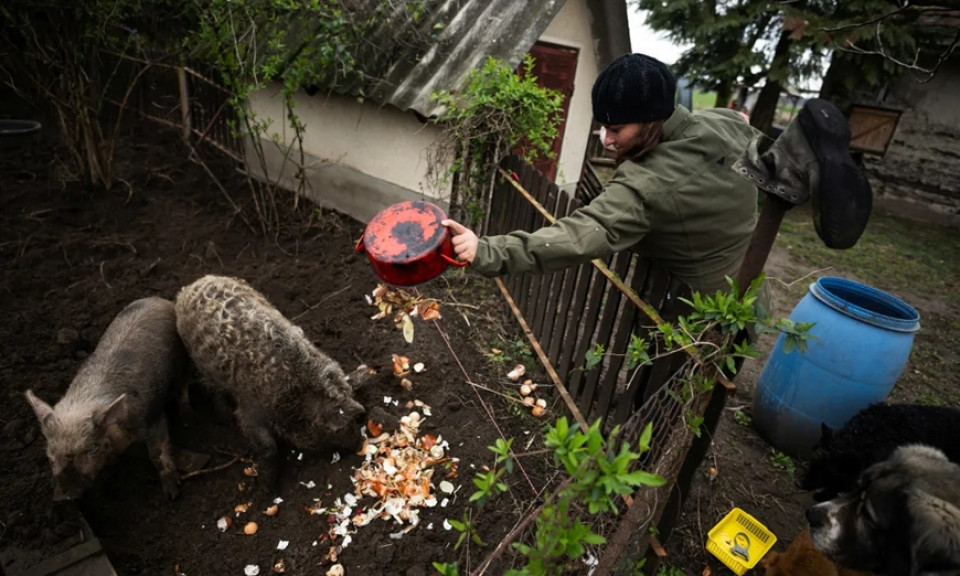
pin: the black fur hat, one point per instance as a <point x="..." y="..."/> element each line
<point x="634" y="88"/>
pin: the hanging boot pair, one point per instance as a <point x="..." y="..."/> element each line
<point x="811" y="161"/>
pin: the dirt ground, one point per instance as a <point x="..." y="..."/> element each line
<point x="751" y="474"/>
<point x="72" y="259"/>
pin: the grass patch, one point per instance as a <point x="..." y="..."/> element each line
<point x="916" y="262"/>
<point x="893" y="255"/>
<point x="702" y="100"/>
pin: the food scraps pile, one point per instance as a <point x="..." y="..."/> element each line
<point x="398" y="470"/>
<point x="403" y="306"/>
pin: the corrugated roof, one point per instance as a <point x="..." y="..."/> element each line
<point x="448" y="39"/>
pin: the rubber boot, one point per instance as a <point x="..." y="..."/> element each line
<point x="811" y="161"/>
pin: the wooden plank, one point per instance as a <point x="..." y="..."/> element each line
<point x="574" y="317"/>
<point x="608" y="317"/>
<point x="85" y="558"/>
<point x="515" y="206"/>
<point x="500" y="202"/>
<point x="540" y="188"/>
<point x="553" y="300"/>
<point x="655" y="288"/>
<point x="643" y="280"/>
<point x="872" y="128"/>
<point x="621" y="343"/>
<point x="587" y="326"/>
<point x="589" y="186"/>
<point x="530" y="180"/>
<point x="542" y="298"/>
<point x="566" y="297"/>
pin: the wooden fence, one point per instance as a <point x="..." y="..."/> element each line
<point x="174" y="96"/>
<point x="569" y="312"/>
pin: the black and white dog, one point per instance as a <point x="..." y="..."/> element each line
<point x="902" y="519"/>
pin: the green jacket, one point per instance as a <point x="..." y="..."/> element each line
<point x="682" y="206"/>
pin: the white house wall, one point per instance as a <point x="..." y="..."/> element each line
<point x="363" y="157"/>
<point x="354" y="149"/>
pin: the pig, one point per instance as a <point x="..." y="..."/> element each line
<point x="284" y="387"/>
<point x="117" y="398"/>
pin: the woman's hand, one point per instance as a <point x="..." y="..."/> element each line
<point x="464" y="240"/>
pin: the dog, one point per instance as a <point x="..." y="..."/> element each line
<point x="903" y="518"/>
<point x="803" y="559"/>
<point x="871" y="436"/>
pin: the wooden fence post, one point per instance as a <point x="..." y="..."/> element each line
<point x="184" y="104"/>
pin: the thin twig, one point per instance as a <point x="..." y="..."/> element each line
<point x="207" y="470"/>
<point x="482" y="387"/>
<point x="322" y="300"/>
<point x="103" y="276"/>
<point x="533" y="452"/>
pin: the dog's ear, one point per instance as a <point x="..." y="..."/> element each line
<point x="769" y="562"/>
<point x="935" y="533"/>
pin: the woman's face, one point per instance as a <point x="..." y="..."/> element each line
<point x="621" y="137"/>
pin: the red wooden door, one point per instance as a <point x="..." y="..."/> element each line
<point x="555" y="67"/>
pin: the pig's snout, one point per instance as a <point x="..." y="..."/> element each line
<point x="70" y="484"/>
<point x="63" y="491"/>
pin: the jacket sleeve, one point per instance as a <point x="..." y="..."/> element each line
<point x="614" y="221"/>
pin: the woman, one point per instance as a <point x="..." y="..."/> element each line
<point x="675" y="196"/>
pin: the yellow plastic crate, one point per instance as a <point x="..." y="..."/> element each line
<point x="740" y="541"/>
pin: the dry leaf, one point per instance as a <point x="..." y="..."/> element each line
<point x="375" y="428"/>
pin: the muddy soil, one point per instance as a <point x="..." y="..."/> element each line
<point x="72" y="259"/>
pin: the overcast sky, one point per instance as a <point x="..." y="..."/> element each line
<point x="646" y="41"/>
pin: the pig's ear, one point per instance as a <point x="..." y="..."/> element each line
<point x="342" y="414"/>
<point x="43" y="410"/>
<point x="113" y="414"/>
<point x="360" y="376"/>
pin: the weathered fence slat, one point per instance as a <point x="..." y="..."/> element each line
<point x="541" y="190"/>
<point x="620" y="345"/>
<point x="575" y="318"/>
<point x="543" y="307"/>
<point x="565" y="301"/>
<point x="584" y="335"/>
<point x="554" y="324"/>
<point x="531" y="180"/>
<point x="609" y="315"/>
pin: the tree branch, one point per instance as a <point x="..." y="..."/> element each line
<point x="930" y="72"/>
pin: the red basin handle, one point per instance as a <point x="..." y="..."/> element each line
<point x="452" y="262"/>
<point x="360" y="247"/>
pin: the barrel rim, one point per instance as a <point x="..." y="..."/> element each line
<point x="825" y="289"/>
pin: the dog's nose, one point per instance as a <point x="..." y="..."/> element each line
<point x="815" y="516"/>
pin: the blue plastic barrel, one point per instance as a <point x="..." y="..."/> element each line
<point x="864" y="337"/>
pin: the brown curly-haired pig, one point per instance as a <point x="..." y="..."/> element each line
<point x="283" y="385"/>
